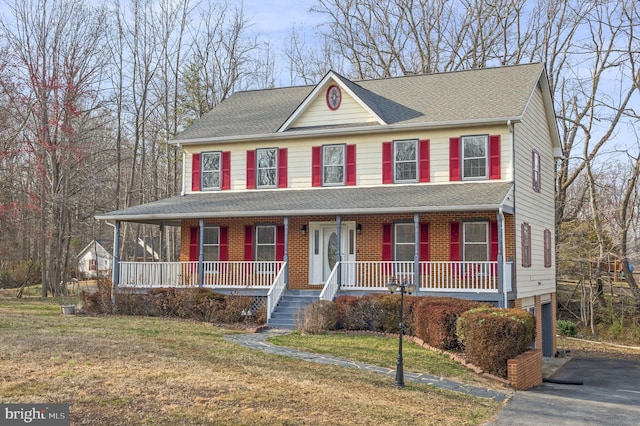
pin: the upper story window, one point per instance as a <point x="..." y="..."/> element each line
<point x="267" y="167"/>
<point x="405" y="160"/>
<point x="211" y="171"/>
<point x="535" y="170"/>
<point x="333" y="165"/>
<point x="474" y="157"/>
<point x="475" y="240"/>
<point x="211" y="244"/>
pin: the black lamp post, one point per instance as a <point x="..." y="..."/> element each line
<point x="404" y="287"/>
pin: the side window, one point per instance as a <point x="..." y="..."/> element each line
<point x="535" y="170"/>
<point x="525" y="230"/>
<point x="267" y="167"/>
<point x="405" y="161"/>
<point x="474" y="157"/>
<point x="211" y="243"/>
<point x="333" y="165"/>
<point x="475" y="240"/>
<point x="211" y="168"/>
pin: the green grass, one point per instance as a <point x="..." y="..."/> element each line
<point x="377" y="350"/>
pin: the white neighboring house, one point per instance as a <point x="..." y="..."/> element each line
<point x="94" y="259"/>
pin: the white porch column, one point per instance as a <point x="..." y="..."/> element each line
<point x="502" y="288"/>
<point x="115" y="273"/>
<point x="201" y="253"/>
<point x="339" y="257"/>
<point x="286" y="250"/>
<point x="416" y="254"/>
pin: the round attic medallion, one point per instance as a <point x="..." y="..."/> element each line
<point x="334" y="97"/>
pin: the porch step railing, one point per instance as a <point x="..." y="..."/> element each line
<point x="276" y="291"/>
<point x="477" y="277"/>
<point x="331" y="285"/>
<point x="185" y="274"/>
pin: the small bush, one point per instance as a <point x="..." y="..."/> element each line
<point x="566" y="328"/>
<point x="435" y="320"/>
<point x="492" y="336"/>
<point x="318" y="317"/>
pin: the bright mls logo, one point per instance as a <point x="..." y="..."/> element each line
<point x="34" y="414"/>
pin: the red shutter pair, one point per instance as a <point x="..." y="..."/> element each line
<point x="194" y="246"/>
<point x="316" y="166"/>
<point x="455" y="252"/>
<point x="454" y="158"/>
<point x="226" y="171"/>
<point x="387" y="242"/>
<point x="248" y="243"/>
<point x="283" y="178"/>
<point x="424" y="173"/>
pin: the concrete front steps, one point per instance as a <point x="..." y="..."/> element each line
<point x="292" y="302"/>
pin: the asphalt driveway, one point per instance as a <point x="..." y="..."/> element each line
<point x="609" y="395"/>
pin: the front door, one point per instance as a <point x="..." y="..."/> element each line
<point x="323" y="249"/>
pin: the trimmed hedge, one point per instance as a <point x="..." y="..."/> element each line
<point x="492" y="336"/>
<point x="379" y="312"/>
<point x="434" y="320"/>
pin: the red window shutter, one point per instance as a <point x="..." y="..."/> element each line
<point x="248" y="242"/>
<point x="224" y="244"/>
<point x="547" y="253"/>
<point x="425" y="171"/>
<point x="280" y="242"/>
<point x="494" y="157"/>
<point x="454" y="242"/>
<point x="454" y="159"/>
<point x="387" y="242"/>
<point x="425" y="254"/>
<point x="226" y="170"/>
<point x="493" y="241"/>
<point x="387" y="162"/>
<point x="351" y="165"/>
<point x="195" y="172"/>
<point x="251" y="169"/>
<point x="194" y="247"/>
<point x="283" y="179"/>
<point x="316" y="166"/>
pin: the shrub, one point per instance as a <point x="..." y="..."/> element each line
<point x="492" y="336"/>
<point x="318" y="317"/>
<point x="566" y="328"/>
<point x="434" y="320"/>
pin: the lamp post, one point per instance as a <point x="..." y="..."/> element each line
<point x="405" y="287"/>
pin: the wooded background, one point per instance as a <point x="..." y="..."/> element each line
<point x="90" y="94"/>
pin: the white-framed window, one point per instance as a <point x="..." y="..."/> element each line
<point x="404" y="241"/>
<point x="267" y="167"/>
<point x="333" y="164"/>
<point x="525" y="230"/>
<point x="211" y="244"/>
<point x="265" y="243"/>
<point x="93" y="264"/>
<point x="211" y="170"/>
<point x="535" y="170"/>
<point x="475" y="241"/>
<point x="475" y="157"/>
<point x="405" y="160"/>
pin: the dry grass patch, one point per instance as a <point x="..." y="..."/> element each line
<point x="136" y="370"/>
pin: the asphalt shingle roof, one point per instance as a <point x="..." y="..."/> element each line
<point x="468" y="196"/>
<point x="462" y="96"/>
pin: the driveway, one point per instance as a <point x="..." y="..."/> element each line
<point x="609" y="395"/>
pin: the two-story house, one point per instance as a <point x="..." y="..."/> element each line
<point x="446" y="180"/>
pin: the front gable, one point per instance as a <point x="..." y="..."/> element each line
<point x="335" y="101"/>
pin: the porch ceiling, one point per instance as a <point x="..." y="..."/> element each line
<point x="418" y="198"/>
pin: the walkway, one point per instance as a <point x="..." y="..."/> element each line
<point x="258" y="341"/>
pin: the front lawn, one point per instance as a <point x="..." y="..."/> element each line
<point x="140" y="370"/>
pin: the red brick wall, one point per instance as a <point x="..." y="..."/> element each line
<point x="525" y="370"/>
<point x="368" y="243"/>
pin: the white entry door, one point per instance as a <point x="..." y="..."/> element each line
<point x="323" y="248"/>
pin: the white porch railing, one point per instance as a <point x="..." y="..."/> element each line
<point x="331" y="285"/>
<point x="275" y="292"/>
<point x="461" y="277"/>
<point x="185" y="274"/>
